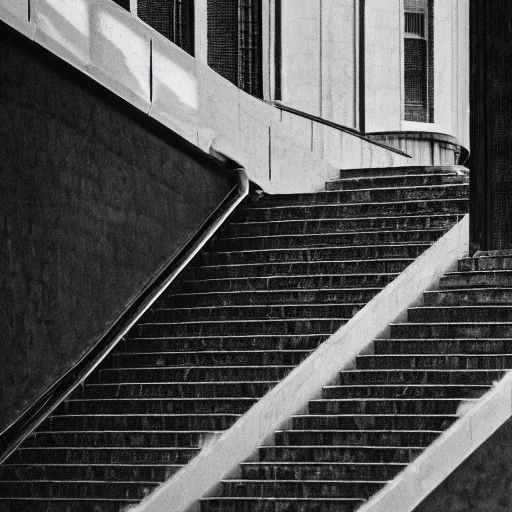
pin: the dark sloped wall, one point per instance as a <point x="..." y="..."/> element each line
<point x="93" y="202"/>
<point x="482" y="483"/>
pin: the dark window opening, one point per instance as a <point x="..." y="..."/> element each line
<point x="235" y="42"/>
<point x="419" y="61"/>
<point x="174" y="19"/>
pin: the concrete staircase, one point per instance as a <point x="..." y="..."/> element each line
<point x="285" y="273"/>
<point x="382" y="414"/>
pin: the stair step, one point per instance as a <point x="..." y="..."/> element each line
<point x="485" y="263"/>
<point x="320" y="470"/>
<point x="203" y="358"/>
<point x="194" y="374"/>
<point x="48" y="489"/>
<point x="172" y="389"/>
<point x="333" y="225"/>
<point x="119" y="439"/>
<point x="110" y="455"/>
<point x="15" y="504"/>
<point x="350" y="238"/>
<point x="464" y="313"/>
<point x="251" y="312"/>
<point x="290" y="342"/>
<point x="264" y="504"/>
<point x="393" y="181"/>
<point x="340" y="453"/>
<point x="392" y="265"/>
<point x="468" y="296"/>
<point x="262" y="297"/>
<point x="291" y="281"/>
<point x="385" y="406"/>
<point x="124" y="422"/>
<point x="373" y="421"/>
<point x="237" y="405"/>
<point x="366" y="172"/>
<point x="355" y="437"/>
<point x="452" y="330"/>
<point x="356" y="252"/>
<point x="372" y="195"/>
<point x="388" y="391"/>
<point x="482" y="278"/>
<point x="303" y="489"/>
<point x="82" y="472"/>
<point x="236" y="327"/>
<point x="436" y="361"/>
<point x="255" y="213"/>
<point x="412" y="376"/>
<point x="443" y="346"/>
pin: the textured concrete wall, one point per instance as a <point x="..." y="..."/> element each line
<point x="94" y="203"/>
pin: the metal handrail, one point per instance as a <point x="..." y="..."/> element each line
<point x="336" y="126"/>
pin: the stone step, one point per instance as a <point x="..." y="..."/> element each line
<point x="339" y="453"/>
<point x="96" y="455"/>
<point x="434" y="422"/>
<point x="290" y="281"/>
<point x="464" y="313"/>
<point x="444" y="346"/>
<point x="237" y="405"/>
<point x="193" y="374"/>
<point x="452" y="330"/>
<point x="387" y="391"/>
<point x="485" y="263"/>
<point x="175" y="390"/>
<point x="465" y="377"/>
<point x="202" y="358"/>
<point x="264" y="504"/>
<point x="480" y="278"/>
<point x="320" y="471"/>
<point x="300" y="489"/>
<point x="394" y="181"/>
<point x="468" y="296"/>
<point x="342" y="225"/>
<point x="82" y="472"/>
<point x="120" y="438"/>
<point x="366" y="172"/>
<point x="260" y="213"/>
<point x="355" y="437"/>
<point x="436" y="361"/>
<point x="369" y="195"/>
<point x="351" y="238"/>
<point x="262" y="297"/>
<point x="249" y="312"/>
<point x="289" y="342"/>
<point x="361" y="252"/>
<point x="125" y="422"/>
<point x="392" y="265"/>
<point x="237" y="327"/>
<point x="47" y="489"/>
<point x="385" y="406"/>
<point x="14" y="504"/>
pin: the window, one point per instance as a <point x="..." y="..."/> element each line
<point x="418" y="61"/>
<point x="172" y="18"/>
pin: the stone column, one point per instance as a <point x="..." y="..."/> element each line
<point x="491" y="125"/>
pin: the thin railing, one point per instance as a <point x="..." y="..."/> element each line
<point x="336" y="126"/>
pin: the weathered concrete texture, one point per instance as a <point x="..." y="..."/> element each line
<point x="94" y="203"/>
<point x="482" y="483"/>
